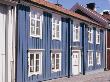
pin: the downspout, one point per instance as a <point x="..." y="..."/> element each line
<point x="69" y="48"/>
<point x="106" y="49"/>
<point x="16" y="43"/>
<point x="83" y="40"/>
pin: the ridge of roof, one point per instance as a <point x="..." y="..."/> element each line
<point x="92" y="11"/>
<point x="64" y="11"/>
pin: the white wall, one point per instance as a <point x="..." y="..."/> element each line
<point x="2" y="44"/>
<point x="7" y="43"/>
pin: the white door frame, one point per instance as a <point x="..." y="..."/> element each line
<point x="77" y="51"/>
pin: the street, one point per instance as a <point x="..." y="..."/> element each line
<point x="96" y="77"/>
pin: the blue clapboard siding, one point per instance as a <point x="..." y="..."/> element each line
<point x="75" y="45"/>
<point x="94" y="47"/>
<point x="65" y="46"/>
<point x="26" y="42"/>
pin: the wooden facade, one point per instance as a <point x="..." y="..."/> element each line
<point x="66" y="46"/>
<point x="18" y="43"/>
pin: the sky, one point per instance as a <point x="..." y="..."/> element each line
<point x="100" y="4"/>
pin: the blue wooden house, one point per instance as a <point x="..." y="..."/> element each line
<point x="54" y="42"/>
<point x="93" y="43"/>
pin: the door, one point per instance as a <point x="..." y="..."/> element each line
<point x="75" y="63"/>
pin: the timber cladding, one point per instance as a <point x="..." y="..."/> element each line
<point x="108" y="38"/>
<point x="108" y="59"/>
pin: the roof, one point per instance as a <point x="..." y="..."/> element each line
<point x="95" y="15"/>
<point x="64" y="11"/>
<point x="106" y="16"/>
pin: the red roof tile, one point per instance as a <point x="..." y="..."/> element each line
<point x="64" y="11"/>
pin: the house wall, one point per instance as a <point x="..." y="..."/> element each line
<point x="75" y="45"/>
<point x="46" y="44"/>
<point x="108" y="49"/>
<point x="7" y="42"/>
<point x="94" y="47"/>
<point x="2" y="42"/>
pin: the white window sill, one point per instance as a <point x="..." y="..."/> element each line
<point x="34" y="73"/>
<point x="98" y="64"/>
<point x="76" y="40"/>
<point x="56" y="70"/>
<point x="90" y="42"/>
<point x="97" y="42"/>
<point x="90" y="65"/>
<point x="36" y="36"/>
<point x="56" y="39"/>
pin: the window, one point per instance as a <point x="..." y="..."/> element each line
<point x="90" y="35"/>
<point x="56" y="27"/>
<point x="76" y="32"/>
<point x="36" y="24"/>
<point x="34" y="63"/>
<point x="90" y="58"/>
<point x="98" y="58"/>
<point x="97" y="36"/>
<point x="56" y="61"/>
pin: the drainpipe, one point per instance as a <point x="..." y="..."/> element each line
<point x="105" y="49"/>
<point x="83" y="33"/>
<point x="69" y="48"/>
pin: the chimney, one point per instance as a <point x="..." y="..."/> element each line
<point x="106" y="13"/>
<point x="91" y="6"/>
<point x="58" y="5"/>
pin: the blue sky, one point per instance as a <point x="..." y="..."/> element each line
<point x="100" y="4"/>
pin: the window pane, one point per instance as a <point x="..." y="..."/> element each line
<point x="57" y="63"/>
<point x="57" y="66"/>
<point x="53" y="20"/>
<point x="57" y="55"/>
<point x="37" y="31"/>
<point x="37" y="68"/>
<point x="57" y="31"/>
<point x="31" y="62"/>
<point x="77" y="26"/>
<point x="38" y="24"/>
<point x="32" y="30"/>
<point x="53" y="61"/>
<point x="32" y="14"/>
<point x="57" y="27"/>
<point x="77" y="32"/>
<point x="57" y="21"/>
<point x="32" y="22"/>
<point x="53" y="30"/>
<point x="37" y="56"/>
<point x="37" y="65"/>
<point x="38" y="15"/>
<point x="57" y="34"/>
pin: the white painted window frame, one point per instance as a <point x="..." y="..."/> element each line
<point x="58" y="18"/>
<point x="99" y="59"/>
<point x="56" y="70"/>
<point x="74" y="32"/>
<point x="97" y="35"/>
<point x="40" y="62"/>
<point x="38" y="11"/>
<point x="91" y="34"/>
<point x="90" y="64"/>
